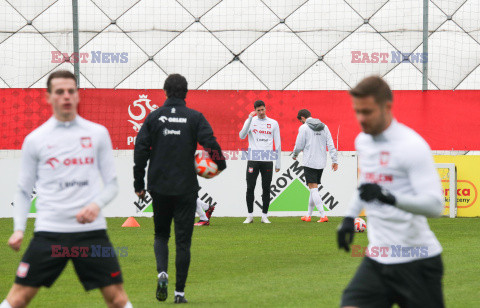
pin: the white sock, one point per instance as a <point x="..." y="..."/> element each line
<point x="317" y="201"/>
<point x="180" y="293"/>
<point x="311" y="205"/>
<point x="202" y="204"/>
<point x="5" y="304"/>
<point x="250" y="215"/>
<point x="128" y="305"/>
<point x="162" y="273"/>
<point x="264" y="215"/>
<point x="200" y="211"/>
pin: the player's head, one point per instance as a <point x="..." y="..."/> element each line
<point x="176" y="86"/>
<point x="260" y="109"/>
<point x="372" y="102"/>
<point x="62" y="94"/>
<point x="303" y="115"/>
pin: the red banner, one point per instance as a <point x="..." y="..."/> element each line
<point x="448" y="120"/>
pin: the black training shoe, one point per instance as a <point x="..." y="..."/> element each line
<point x="162" y="287"/>
<point x="180" y="299"/>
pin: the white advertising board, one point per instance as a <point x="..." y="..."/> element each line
<point x="288" y="192"/>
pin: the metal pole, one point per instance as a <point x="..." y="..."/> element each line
<point x="425" y="46"/>
<point x="76" y="52"/>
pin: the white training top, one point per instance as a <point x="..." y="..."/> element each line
<point x="64" y="161"/>
<point x="314" y="145"/>
<point x="261" y="135"/>
<point x="400" y="161"/>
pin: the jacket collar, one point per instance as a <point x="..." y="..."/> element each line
<point x="67" y="124"/>
<point x="173" y="101"/>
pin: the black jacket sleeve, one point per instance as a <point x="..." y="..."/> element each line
<point x="141" y="155"/>
<point x="209" y="142"/>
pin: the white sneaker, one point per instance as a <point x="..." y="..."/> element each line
<point x="265" y="220"/>
<point x="249" y="220"/>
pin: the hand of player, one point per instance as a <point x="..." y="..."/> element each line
<point x="371" y="191"/>
<point x="277" y="169"/>
<point x="345" y="233"/>
<point x="15" y="241"/>
<point x="88" y="214"/>
<point x="334" y="167"/>
<point x="252" y="114"/>
<point x="141" y="194"/>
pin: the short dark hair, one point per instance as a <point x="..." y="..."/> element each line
<point x="303" y="113"/>
<point x="373" y="86"/>
<point x="60" y="74"/>
<point x="176" y="86"/>
<point x="258" y="104"/>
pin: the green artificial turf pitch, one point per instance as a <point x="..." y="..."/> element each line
<point x="288" y="263"/>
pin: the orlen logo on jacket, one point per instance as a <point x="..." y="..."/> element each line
<point x="52" y="162"/>
<point x="266" y="132"/>
<point x="466" y="193"/>
<point x="76" y="161"/>
<point x="372" y="177"/>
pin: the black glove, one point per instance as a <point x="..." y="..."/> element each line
<point x="345" y="233"/>
<point x="370" y="191"/>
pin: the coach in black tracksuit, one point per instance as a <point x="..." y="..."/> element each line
<point x="168" y="138"/>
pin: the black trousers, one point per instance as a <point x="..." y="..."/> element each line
<point x="182" y="210"/>
<point x="412" y="284"/>
<point x="266" y="169"/>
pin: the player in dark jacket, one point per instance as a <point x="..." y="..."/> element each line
<point x="168" y="139"/>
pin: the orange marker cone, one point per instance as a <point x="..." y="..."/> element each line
<point x="131" y="222"/>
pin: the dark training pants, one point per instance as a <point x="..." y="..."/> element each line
<point x="182" y="210"/>
<point x="416" y="284"/>
<point x="266" y="169"/>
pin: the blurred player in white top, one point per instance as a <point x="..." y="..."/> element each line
<point x="66" y="159"/>
<point x="262" y="132"/>
<point x="399" y="188"/>
<point x="313" y="139"/>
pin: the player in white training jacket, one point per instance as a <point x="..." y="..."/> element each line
<point x="262" y="132"/>
<point x="313" y="139"/>
<point x="67" y="158"/>
<point x="399" y="188"/>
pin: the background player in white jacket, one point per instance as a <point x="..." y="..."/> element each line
<point x="399" y="187"/>
<point x="262" y="132"/>
<point x="313" y="139"/>
<point x="66" y="159"/>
